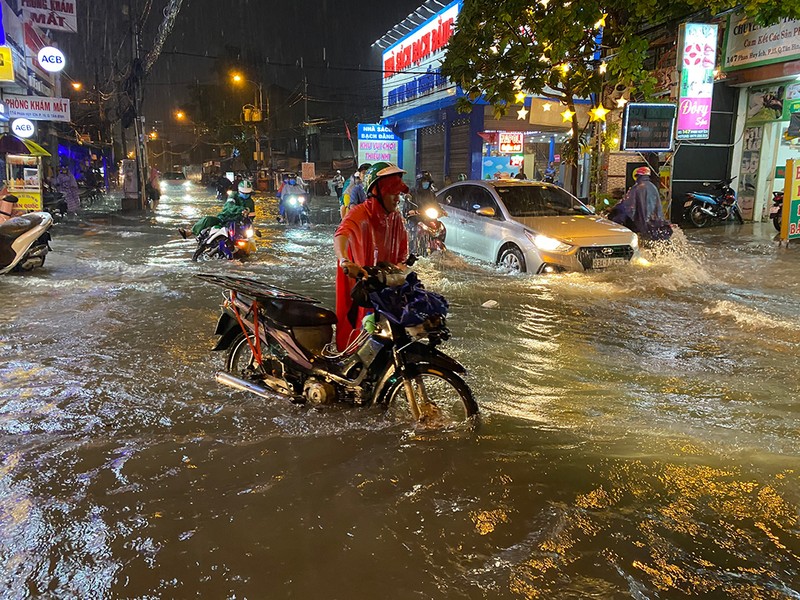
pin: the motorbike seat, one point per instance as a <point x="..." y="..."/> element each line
<point x="15" y="227"/>
<point x="294" y="313"/>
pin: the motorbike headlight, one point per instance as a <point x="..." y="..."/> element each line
<point x="432" y="213"/>
<point x="291" y="200"/>
<point x="248" y="233"/>
<point x="301" y="200"/>
<point x="548" y="244"/>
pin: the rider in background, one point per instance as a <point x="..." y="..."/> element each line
<point x="290" y="187"/>
<point x="239" y="205"/>
<point x="354" y="193"/>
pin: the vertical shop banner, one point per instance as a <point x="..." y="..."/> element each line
<point x="790" y="227"/>
<point x="751" y="157"/>
<point x="51" y="14"/>
<point x="376" y="142"/>
<point x="6" y="64"/>
<point x="697" y="58"/>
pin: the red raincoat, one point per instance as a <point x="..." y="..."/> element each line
<point x="373" y="236"/>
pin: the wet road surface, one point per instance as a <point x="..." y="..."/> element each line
<point x="639" y="436"/>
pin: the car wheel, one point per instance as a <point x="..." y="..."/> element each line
<point x="512" y="259"/>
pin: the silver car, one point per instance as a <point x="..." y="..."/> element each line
<point x="531" y="227"/>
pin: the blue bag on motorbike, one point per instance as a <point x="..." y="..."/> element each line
<point x="409" y="304"/>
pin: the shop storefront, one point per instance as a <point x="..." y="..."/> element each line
<point x="419" y="106"/>
<point x="764" y="64"/>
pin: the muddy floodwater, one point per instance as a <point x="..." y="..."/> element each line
<point x="640" y="431"/>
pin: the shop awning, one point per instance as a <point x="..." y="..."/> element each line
<point x="11" y="144"/>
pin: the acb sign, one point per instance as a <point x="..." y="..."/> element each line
<point x="51" y="59"/>
<point x="22" y="128"/>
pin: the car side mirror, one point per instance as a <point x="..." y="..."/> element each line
<point x="486" y="211"/>
<point x="592" y="209"/>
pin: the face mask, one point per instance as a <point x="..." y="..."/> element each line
<point x="425" y="185"/>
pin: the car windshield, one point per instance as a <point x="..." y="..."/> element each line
<point x="174" y="176"/>
<point x="540" y="201"/>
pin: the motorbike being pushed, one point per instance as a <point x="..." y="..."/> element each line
<point x="278" y="344"/>
<point x="24" y="240"/>
<point x="703" y="209"/>
<point x="776" y="210"/>
<point x="231" y="240"/>
<point x="426" y="233"/>
<point x="295" y="209"/>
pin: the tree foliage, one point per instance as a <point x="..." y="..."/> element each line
<point x="550" y="48"/>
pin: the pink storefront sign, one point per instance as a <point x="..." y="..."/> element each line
<point x="694" y="118"/>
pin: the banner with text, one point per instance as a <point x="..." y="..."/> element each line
<point x="376" y="142"/>
<point x="750" y="45"/>
<point x="51" y="14"/>
<point x="38" y="108"/>
<point x="790" y="227"/>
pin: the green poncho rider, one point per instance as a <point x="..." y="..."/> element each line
<point x="238" y="205"/>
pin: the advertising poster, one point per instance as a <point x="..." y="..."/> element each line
<point x="751" y="156"/>
<point x="790" y="227"/>
<point x="500" y="167"/>
<point x="697" y="60"/>
<point x="376" y="143"/>
<point x="6" y="64"/>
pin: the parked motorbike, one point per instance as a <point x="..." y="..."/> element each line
<point x="53" y="202"/>
<point x="705" y="208"/>
<point x="426" y="233"/>
<point x="24" y="242"/>
<point x="90" y="195"/>
<point x="295" y="209"/>
<point x="278" y="344"/>
<point x="233" y="240"/>
<point x="776" y="210"/>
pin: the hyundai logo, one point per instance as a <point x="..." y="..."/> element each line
<point x="607" y="251"/>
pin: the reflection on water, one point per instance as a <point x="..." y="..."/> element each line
<point x="639" y="434"/>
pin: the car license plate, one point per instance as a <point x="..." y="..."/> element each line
<point x="687" y="204"/>
<point x="602" y="263"/>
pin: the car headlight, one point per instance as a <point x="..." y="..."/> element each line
<point x="248" y="233"/>
<point x="635" y="242"/>
<point x="548" y="244"/>
<point x="432" y="213"/>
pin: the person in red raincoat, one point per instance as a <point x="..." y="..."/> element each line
<point x="370" y="233"/>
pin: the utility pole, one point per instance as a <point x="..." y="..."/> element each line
<point x="305" y="121"/>
<point x="141" y="148"/>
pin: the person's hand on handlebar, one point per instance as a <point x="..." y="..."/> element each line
<point x="352" y="269"/>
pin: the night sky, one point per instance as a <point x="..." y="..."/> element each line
<point x="284" y="32"/>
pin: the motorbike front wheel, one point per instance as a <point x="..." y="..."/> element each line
<point x="738" y="215"/>
<point x="776" y="220"/>
<point x="444" y="399"/>
<point x="207" y="252"/>
<point x="697" y="216"/>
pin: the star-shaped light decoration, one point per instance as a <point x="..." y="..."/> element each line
<point x="520" y="97"/>
<point x="544" y="2"/>
<point x="546" y="107"/>
<point x="621" y="102"/>
<point x="598" y="113"/>
<point x="602" y="68"/>
<point x="601" y="22"/>
<point x="564" y="68"/>
<point x="522" y="114"/>
<point x="567" y="115"/>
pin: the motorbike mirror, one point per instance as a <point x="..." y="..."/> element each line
<point x="411" y="260"/>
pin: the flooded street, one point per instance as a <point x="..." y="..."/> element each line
<point x="640" y="432"/>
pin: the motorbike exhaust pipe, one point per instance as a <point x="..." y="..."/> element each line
<point x="243" y="385"/>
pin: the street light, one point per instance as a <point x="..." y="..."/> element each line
<point x="77" y="86"/>
<point x="255" y="115"/>
<point x="180" y="115"/>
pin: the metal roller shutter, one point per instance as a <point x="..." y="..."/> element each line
<point x="431" y="152"/>
<point x="459" y="148"/>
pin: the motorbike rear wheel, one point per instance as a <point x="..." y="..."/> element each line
<point x="443" y="397"/>
<point x="697" y="216"/>
<point x="776" y="220"/>
<point x="737" y="214"/>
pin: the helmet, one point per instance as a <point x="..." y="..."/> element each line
<point x="338" y="172"/>
<point x="425" y="176"/>
<point x="364" y="166"/>
<point x="246" y="186"/>
<point x="641" y="171"/>
<point x="378" y="170"/>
